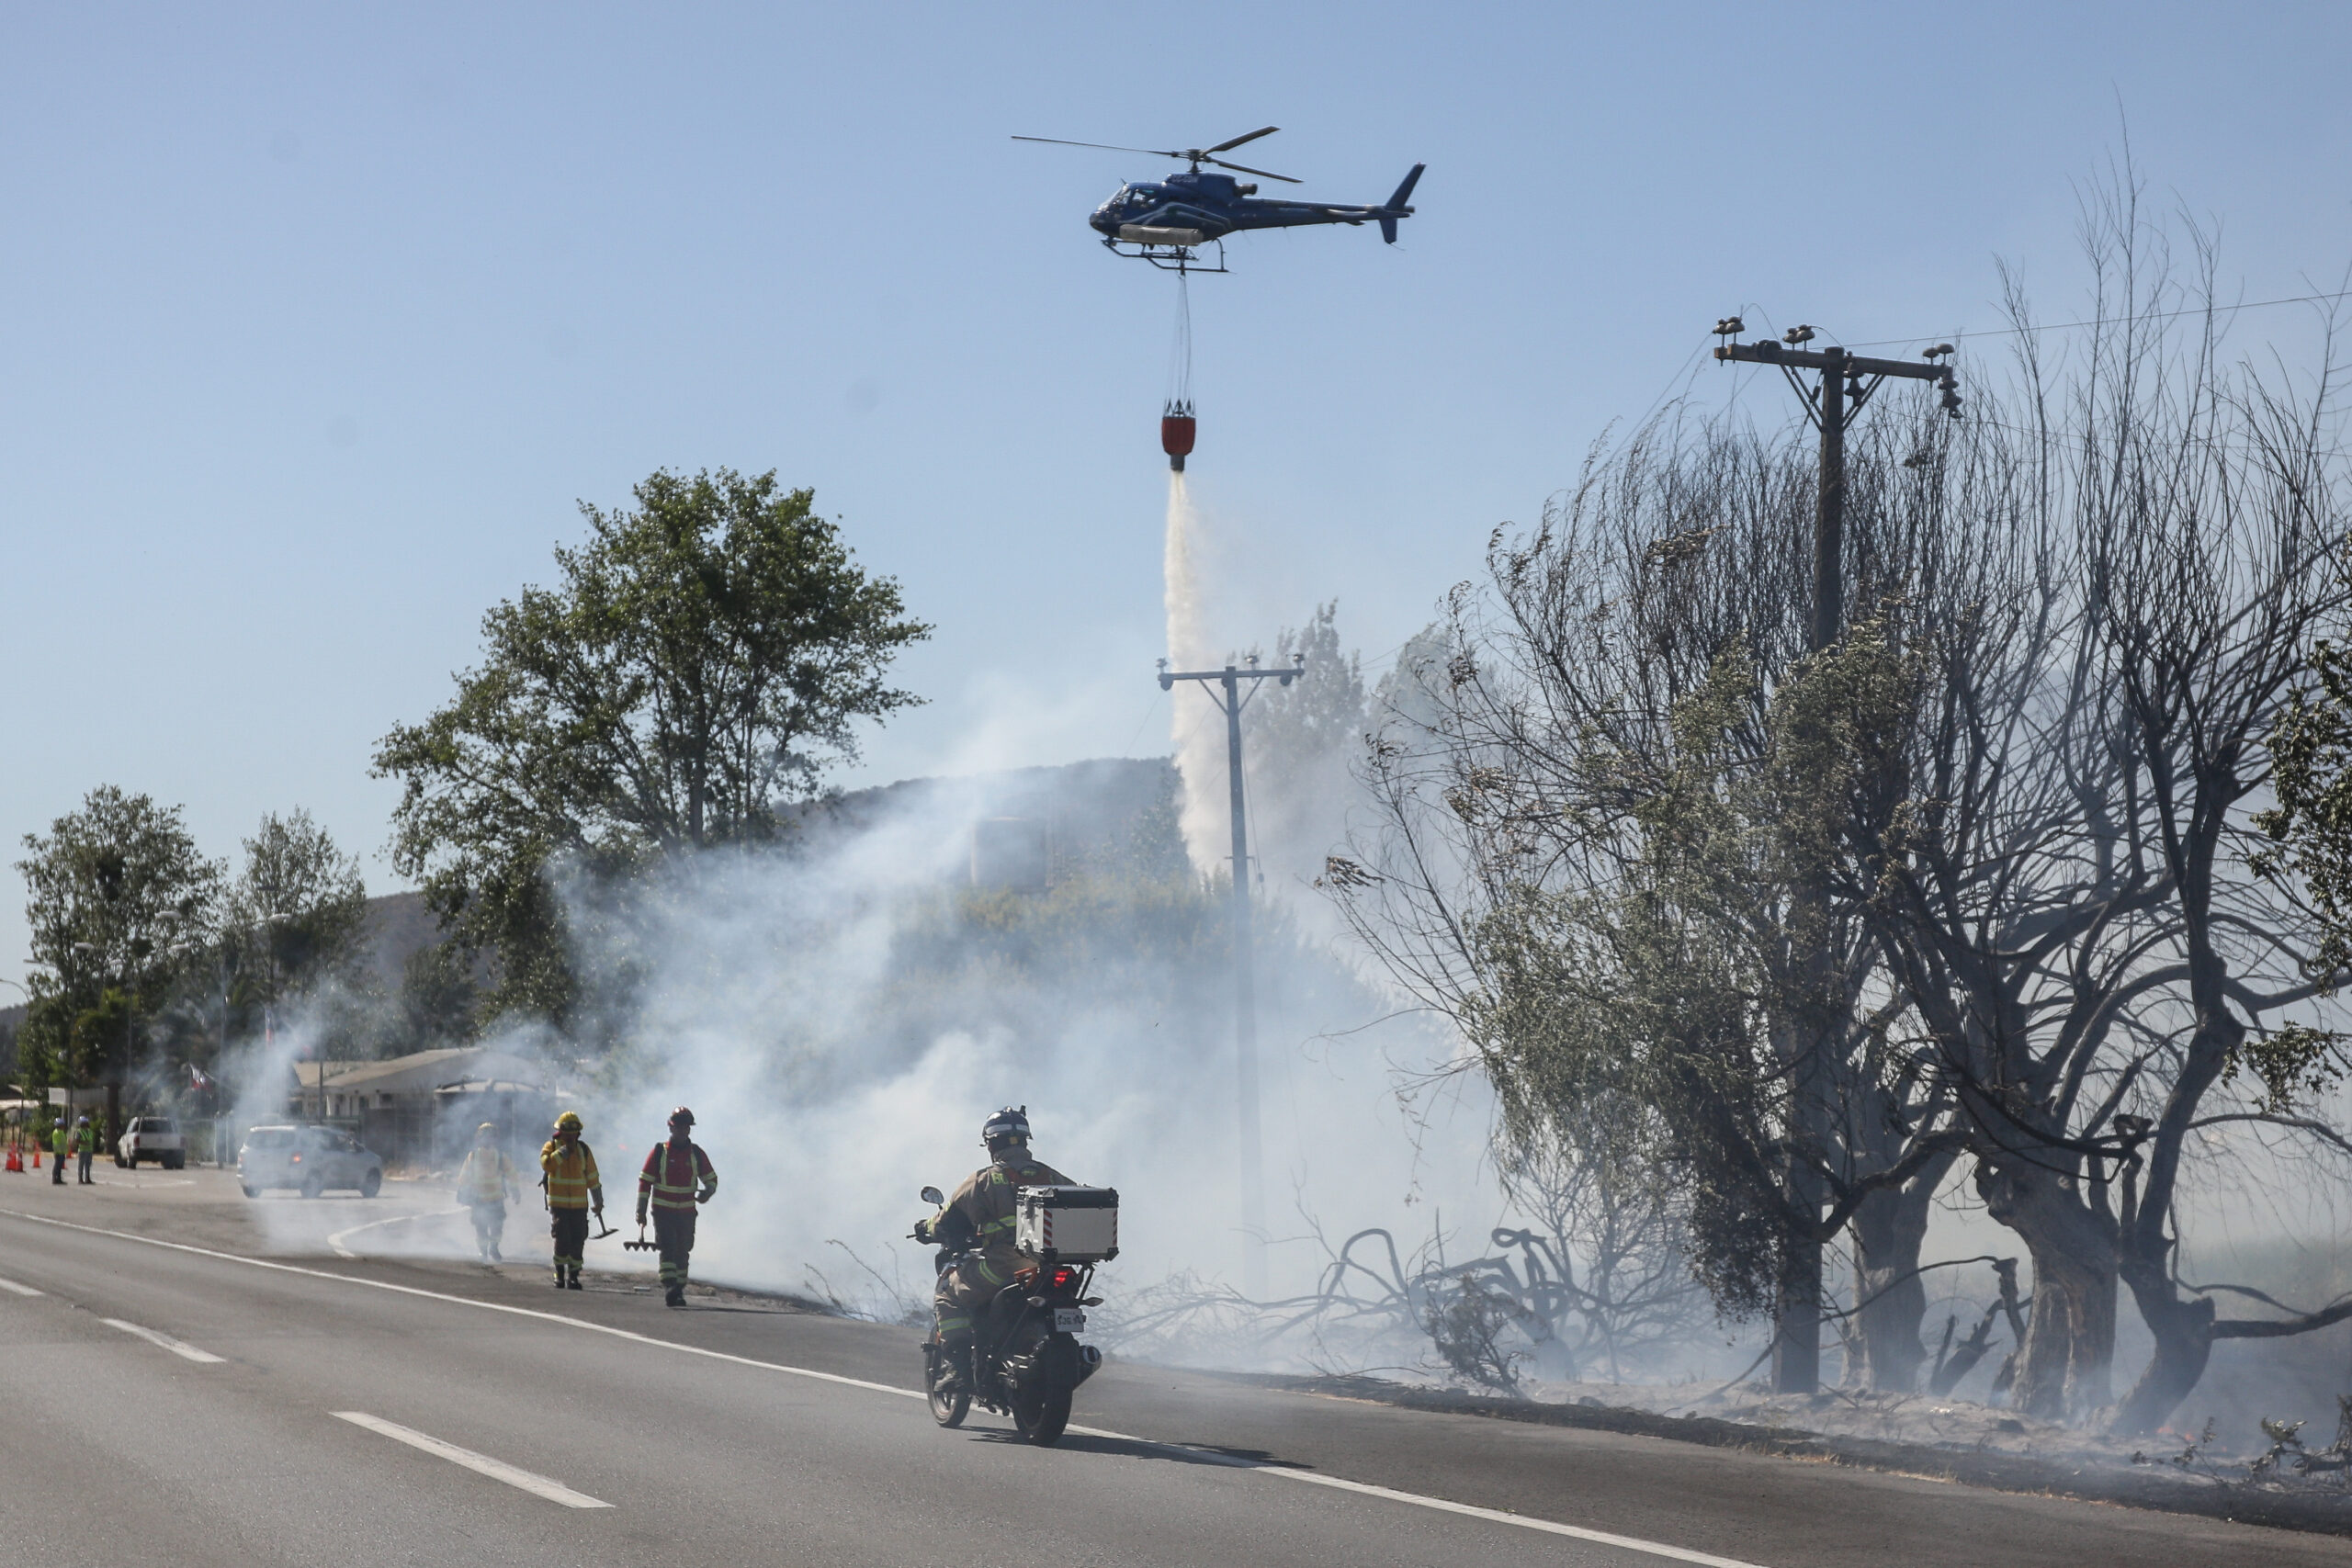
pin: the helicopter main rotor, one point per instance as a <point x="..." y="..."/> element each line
<point x="1195" y="156"/>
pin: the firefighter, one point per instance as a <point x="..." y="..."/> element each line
<point x="568" y="1171"/>
<point x="485" y="1183"/>
<point x="981" y="1214"/>
<point x="85" y="1149"/>
<point x="676" y="1178"/>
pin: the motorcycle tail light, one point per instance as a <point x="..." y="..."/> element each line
<point x="1065" y="1277"/>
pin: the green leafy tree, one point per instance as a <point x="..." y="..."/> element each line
<point x="117" y="895"/>
<point x="2310" y="829"/>
<point x="296" y="912"/>
<point x="705" y="657"/>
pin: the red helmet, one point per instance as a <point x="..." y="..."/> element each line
<point x="682" y="1116"/>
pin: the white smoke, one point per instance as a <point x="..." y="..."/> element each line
<point x="842" y="1038"/>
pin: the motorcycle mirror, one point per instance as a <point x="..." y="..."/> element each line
<point x="933" y="1195"/>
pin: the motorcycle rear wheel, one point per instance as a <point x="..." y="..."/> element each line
<point x="948" y="1406"/>
<point x="1041" y="1413"/>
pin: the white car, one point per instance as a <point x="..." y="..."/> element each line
<point x="310" y="1160"/>
<point x="152" y="1138"/>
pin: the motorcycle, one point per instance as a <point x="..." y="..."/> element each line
<point x="1026" y="1361"/>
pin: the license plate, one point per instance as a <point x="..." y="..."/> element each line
<point x="1069" y="1320"/>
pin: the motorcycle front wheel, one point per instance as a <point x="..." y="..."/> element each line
<point x="948" y="1406"/>
<point x="1041" y="1410"/>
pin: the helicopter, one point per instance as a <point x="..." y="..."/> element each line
<point x="1169" y="221"/>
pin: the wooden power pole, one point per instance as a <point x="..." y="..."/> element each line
<point x="1846" y="381"/>
<point x="1224" y="688"/>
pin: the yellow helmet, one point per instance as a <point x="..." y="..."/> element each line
<point x="490" y="1127"/>
<point x="568" y="1121"/>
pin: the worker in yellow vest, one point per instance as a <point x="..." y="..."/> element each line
<point x="574" y="1191"/>
<point x="57" y="1152"/>
<point x="485" y="1183"/>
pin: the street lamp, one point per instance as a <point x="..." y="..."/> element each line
<point x="270" y="925"/>
<point x="130" y="1044"/>
<point x="18" y="1113"/>
<point x="222" y="967"/>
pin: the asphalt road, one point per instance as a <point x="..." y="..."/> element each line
<point x="174" y="1398"/>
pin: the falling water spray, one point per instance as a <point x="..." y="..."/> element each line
<point x="1195" y="727"/>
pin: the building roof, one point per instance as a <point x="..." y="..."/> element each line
<point x="420" y="1072"/>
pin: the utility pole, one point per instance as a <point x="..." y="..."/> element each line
<point x="1846" y="382"/>
<point x="1232" y="700"/>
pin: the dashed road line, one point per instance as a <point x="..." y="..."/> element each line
<point x="12" y="1286"/>
<point x="177" y="1347"/>
<point x="1276" y="1472"/>
<point x="481" y="1464"/>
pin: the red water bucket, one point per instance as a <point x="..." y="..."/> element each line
<point x="1176" y="439"/>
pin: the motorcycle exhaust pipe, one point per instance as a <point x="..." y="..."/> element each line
<point x="1090" y="1362"/>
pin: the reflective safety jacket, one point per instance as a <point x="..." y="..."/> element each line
<point x="57" y="1139"/>
<point x="984" y="1205"/>
<point x="85" y="1139"/>
<point x="672" y="1171"/>
<point x="486" y="1177"/>
<point x="571" y="1173"/>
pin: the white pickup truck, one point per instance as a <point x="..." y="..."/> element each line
<point x="151" y="1138"/>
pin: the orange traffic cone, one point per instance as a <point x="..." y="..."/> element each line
<point x="16" y="1160"/>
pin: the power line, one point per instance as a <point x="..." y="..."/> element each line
<point x="2122" y="320"/>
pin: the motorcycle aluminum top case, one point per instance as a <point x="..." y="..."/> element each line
<point x="1066" y="1224"/>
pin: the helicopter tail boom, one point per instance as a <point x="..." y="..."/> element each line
<point x="1395" y="208"/>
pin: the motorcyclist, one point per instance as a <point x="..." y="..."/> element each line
<point x="981" y="1215"/>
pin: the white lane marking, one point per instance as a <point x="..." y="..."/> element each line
<point x="19" y="1290"/>
<point x="1524" y="1521"/>
<point x="467" y="1302"/>
<point x="481" y="1464"/>
<point x="336" y="1240"/>
<point x="1629" y="1543"/>
<point x="177" y="1347"/>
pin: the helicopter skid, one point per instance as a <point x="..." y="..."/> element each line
<point x="1171" y="258"/>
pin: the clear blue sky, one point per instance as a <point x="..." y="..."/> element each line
<point x="315" y="320"/>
